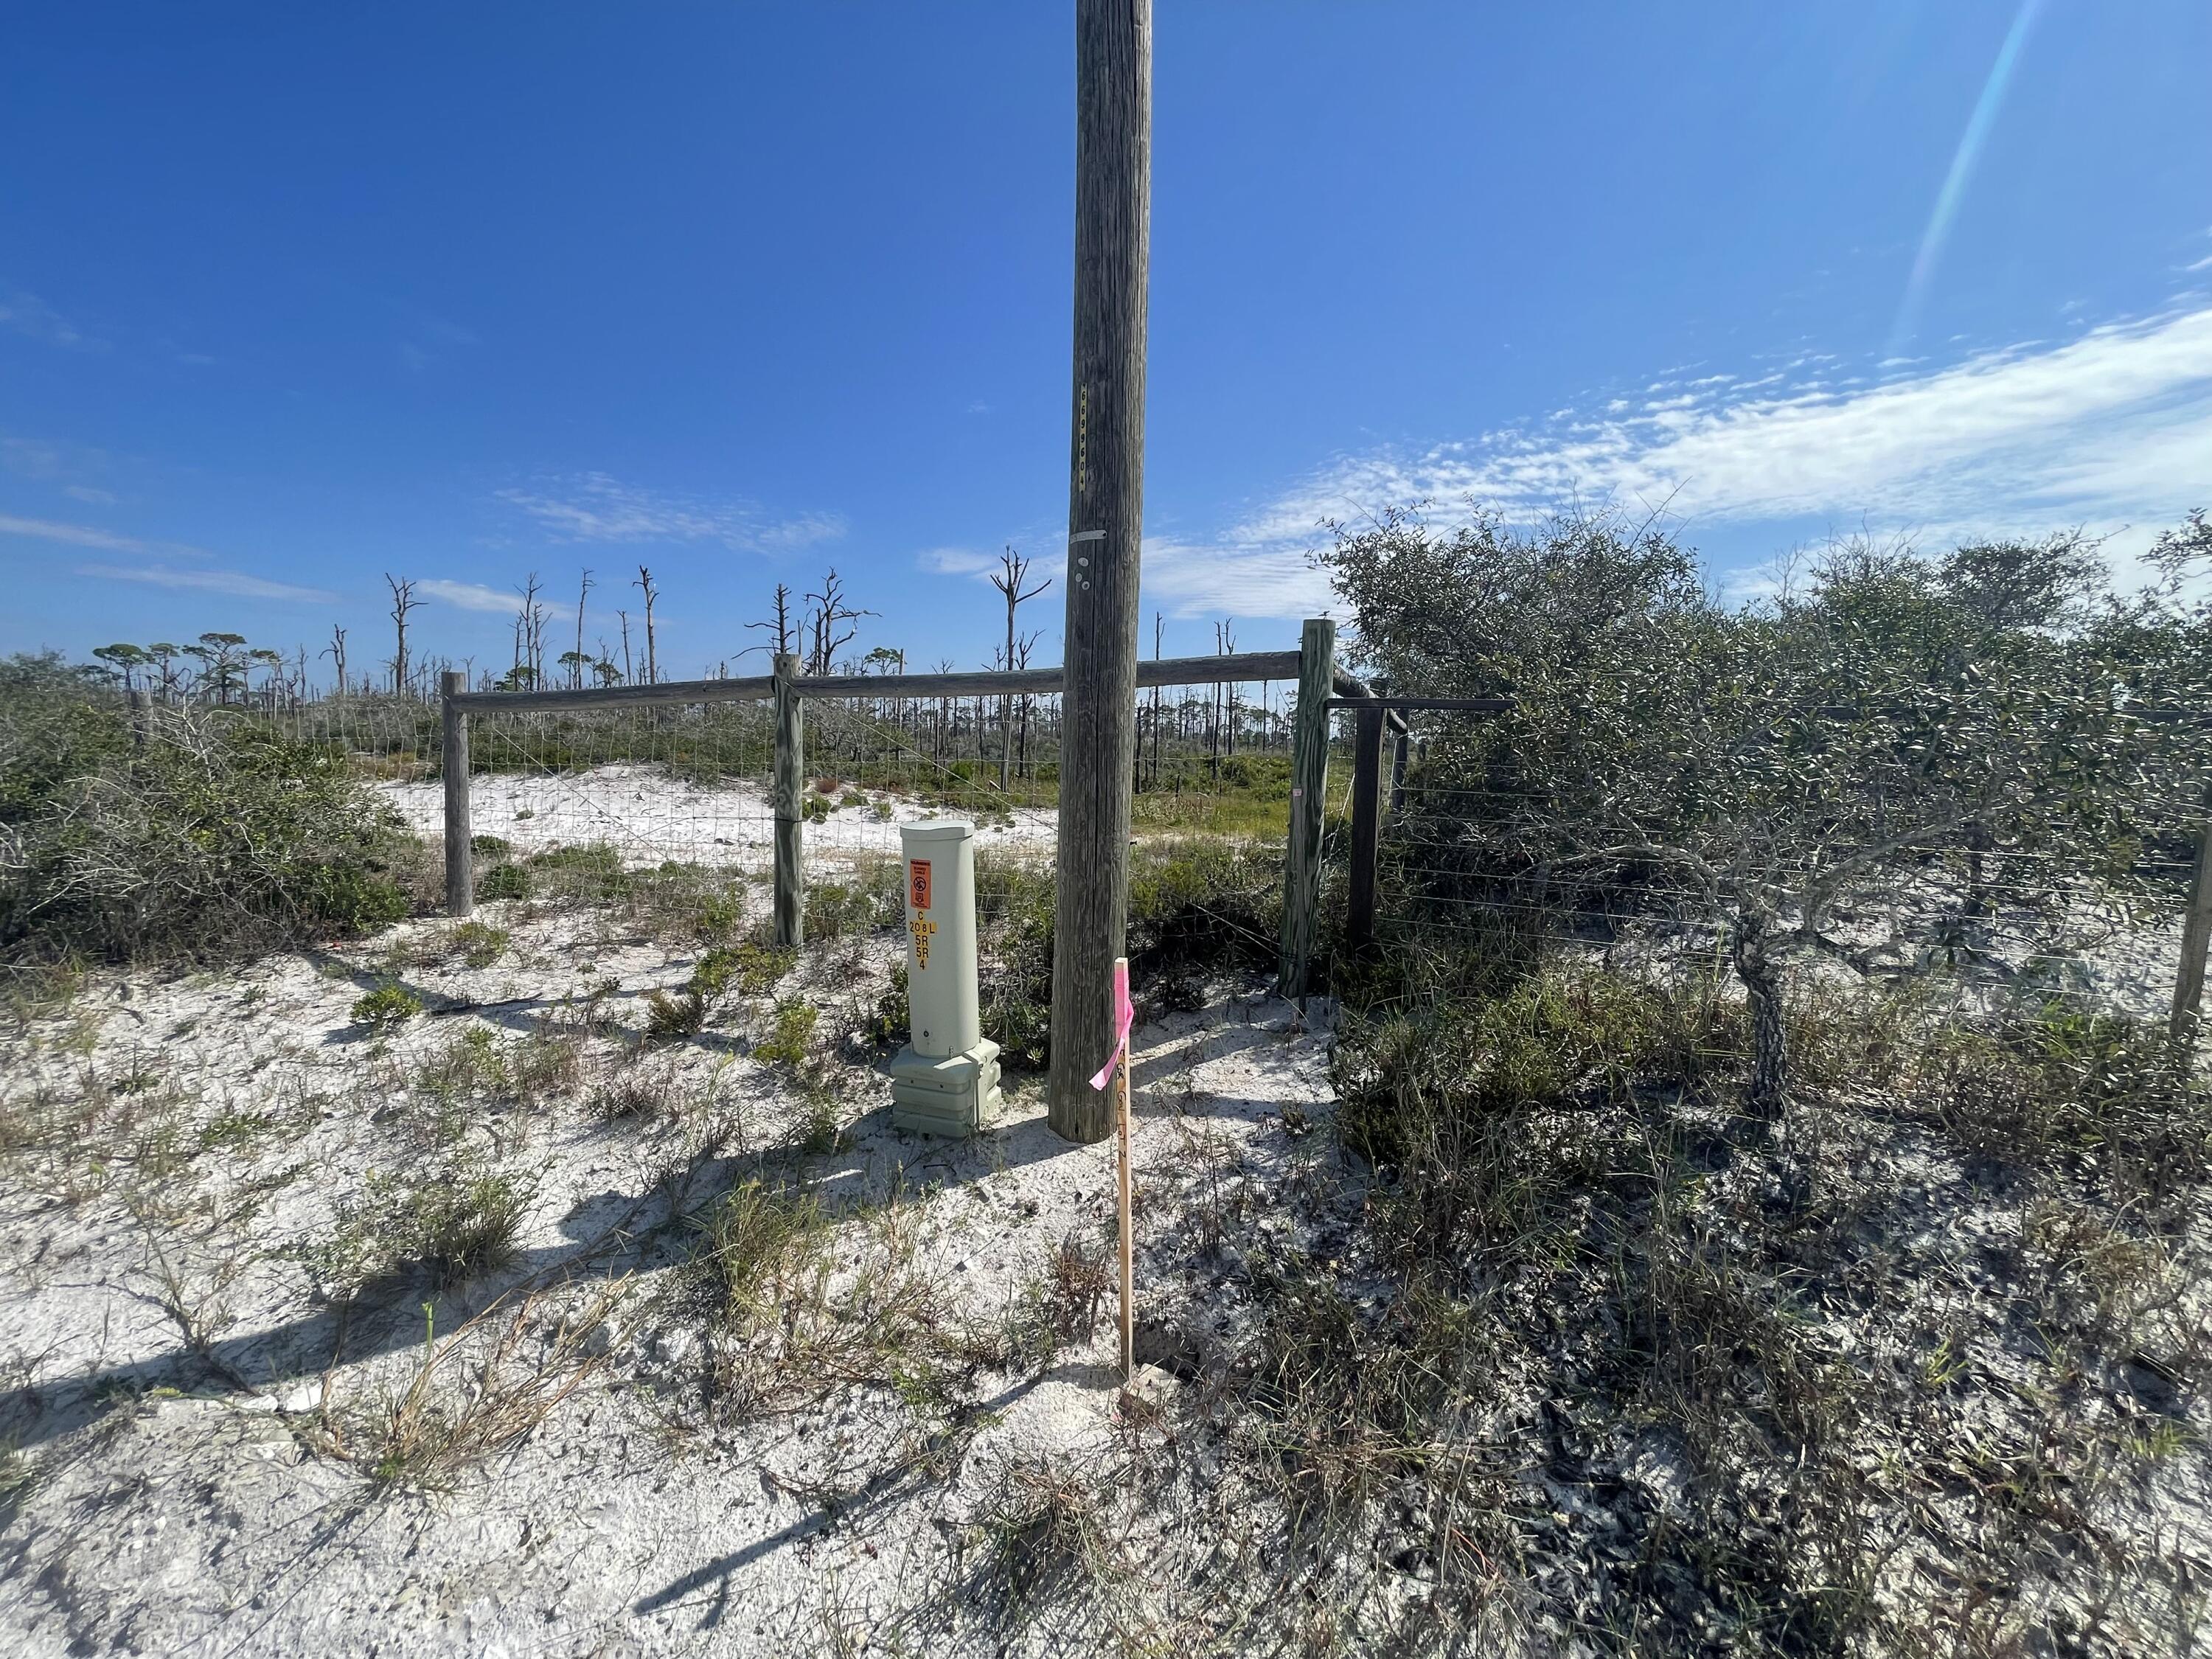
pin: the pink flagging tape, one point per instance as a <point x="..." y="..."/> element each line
<point x="1125" y="1016"/>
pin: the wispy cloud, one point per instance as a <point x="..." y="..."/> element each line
<point x="2111" y="429"/>
<point x="235" y="583"/>
<point x="469" y="596"/>
<point x="85" y="535"/>
<point x="957" y="561"/>
<point x="27" y="314"/>
<point x="591" y="507"/>
<point x="49" y="461"/>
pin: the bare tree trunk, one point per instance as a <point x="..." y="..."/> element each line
<point x="652" y="649"/>
<point x="1752" y="954"/>
<point x="403" y="601"/>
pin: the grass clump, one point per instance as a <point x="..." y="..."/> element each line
<point x="723" y="969"/>
<point x="475" y="1394"/>
<point x="1044" y="1536"/>
<point x="893" y="1021"/>
<point x="479" y="943"/>
<point x="799" y="1304"/>
<point x="460" y="1222"/>
<point x="475" y="1066"/>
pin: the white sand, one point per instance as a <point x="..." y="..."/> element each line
<point x="650" y="816"/>
<point x="178" y="1506"/>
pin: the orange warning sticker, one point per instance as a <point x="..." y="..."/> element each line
<point x="917" y="883"/>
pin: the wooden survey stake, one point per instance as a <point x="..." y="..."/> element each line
<point x="1128" y="1252"/>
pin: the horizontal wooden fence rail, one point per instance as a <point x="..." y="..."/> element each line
<point x="1232" y="668"/>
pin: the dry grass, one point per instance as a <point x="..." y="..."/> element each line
<point x="474" y="1395"/>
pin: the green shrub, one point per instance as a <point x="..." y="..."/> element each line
<point x="491" y="847"/>
<point x="504" y="881"/>
<point x="386" y="1006"/>
<point x="217" y="836"/>
<point x="761" y="966"/>
<point x="788" y="1045"/>
<point x="875" y="898"/>
<point x="59" y="725"/>
<point x="590" y="873"/>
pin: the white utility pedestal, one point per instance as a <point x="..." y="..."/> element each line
<point x="945" y="1081"/>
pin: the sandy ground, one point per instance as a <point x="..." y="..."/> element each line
<point x="651" y="816"/>
<point x="198" y="1432"/>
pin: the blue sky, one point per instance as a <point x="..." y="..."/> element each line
<point x="294" y="296"/>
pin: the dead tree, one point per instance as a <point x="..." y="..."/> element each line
<point x="1023" y="647"/>
<point x="780" y="625"/>
<point x="1013" y="570"/>
<point x="576" y="669"/>
<point x="828" y="610"/>
<point x="623" y="616"/>
<point x="336" y="652"/>
<point x="530" y="633"/>
<point x="652" y="646"/>
<point x="403" y="601"/>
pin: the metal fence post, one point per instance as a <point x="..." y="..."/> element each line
<point x="453" y="723"/>
<point x="790" y="804"/>
<point x="1308" y="787"/>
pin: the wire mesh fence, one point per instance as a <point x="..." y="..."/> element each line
<point x="2036" y="898"/>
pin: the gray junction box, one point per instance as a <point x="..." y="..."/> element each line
<point x="945" y="1081"/>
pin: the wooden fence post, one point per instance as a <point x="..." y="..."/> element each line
<point x="1308" y="787"/>
<point x="1366" y="825"/>
<point x="790" y="804"/>
<point x="2196" y="935"/>
<point x="453" y="722"/>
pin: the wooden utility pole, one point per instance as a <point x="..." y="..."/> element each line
<point x="1105" y="514"/>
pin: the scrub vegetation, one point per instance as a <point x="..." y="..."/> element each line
<point x="1743" y="1201"/>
